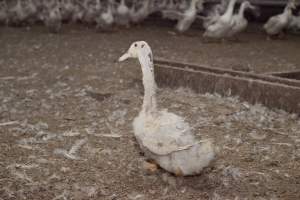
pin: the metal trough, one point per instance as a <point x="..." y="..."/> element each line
<point x="269" y="90"/>
<point x="290" y="75"/>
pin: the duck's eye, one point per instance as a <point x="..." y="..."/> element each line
<point x="135" y="45"/>
<point x="143" y="45"/>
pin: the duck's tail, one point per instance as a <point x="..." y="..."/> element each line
<point x="193" y="160"/>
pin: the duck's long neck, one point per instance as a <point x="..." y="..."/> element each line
<point x="149" y="103"/>
<point x="230" y="8"/>
<point x="288" y="10"/>
<point x="242" y="9"/>
<point x="193" y="5"/>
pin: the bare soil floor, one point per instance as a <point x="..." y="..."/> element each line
<point x="67" y="107"/>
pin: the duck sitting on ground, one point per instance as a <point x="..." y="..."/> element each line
<point x="276" y="24"/>
<point x="163" y="136"/>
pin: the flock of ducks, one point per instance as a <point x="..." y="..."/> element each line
<point x="219" y="20"/>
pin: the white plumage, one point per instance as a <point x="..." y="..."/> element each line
<point x="185" y="19"/>
<point x="222" y="25"/>
<point x="239" y="21"/>
<point x="277" y="23"/>
<point x="165" y="137"/>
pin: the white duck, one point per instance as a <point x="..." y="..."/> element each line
<point x="186" y="18"/>
<point x="294" y="23"/>
<point x="16" y="13"/>
<point x="165" y="137"/>
<point x="276" y="24"/>
<point x="240" y="23"/>
<point x="139" y="14"/>
<point x="213" y="14"/>
<point x="52" y="16"/>
<point x="220" y="27"/>
<point x="92" y="10"/>
<point x="106" y="19"/>
<point x="122" y="14"/>
<point x="67" y="9"/>
<point x="3" y="12"/>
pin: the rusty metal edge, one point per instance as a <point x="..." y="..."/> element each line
<point x="270" y="94"/>
<point x="264" y="77"/>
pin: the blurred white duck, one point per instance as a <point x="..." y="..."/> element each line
<point x="67" y="9"/>
<point x="52" y="16"/>
<point x="213" y="14"/>
<point x="122" y="16"/>
<point x="165" y="137"/>
<point x="222" y="25"/>
<point x="139" y="13"/>
<point x="3" y="12"/>
<point x="106" y="19"/>
<point x="240" y="23"/>
<point x="186" y="18"/>
<point x="16" y="13"/>
<point x="294" y="23"/>
<point x="92" y="9"/>
<point x="276" y="24"/>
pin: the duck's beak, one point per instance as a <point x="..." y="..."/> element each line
<point x="125" y="56"/>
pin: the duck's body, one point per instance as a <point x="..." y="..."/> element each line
<point x="92" y="9"/>
<point x="105" y="20"/>
<point x="294" y="23"/>
<point x="220" y="27"/>
<point x="16" y="13"/>
<point x="52" y="16"/>
<point x="67" y="9"/>
<point x="165" y="137"/>
<point x="214" y="14"/>
<point x="276" y="24"/>
<point x="122" y="17"/>
<point x="240" y="23"/>
<point x="3" y="12"/>
<point x="186" y="18"/>
<point x="138" y="14"/>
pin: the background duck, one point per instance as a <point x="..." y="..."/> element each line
<point x="122" y="16"/>
<point x="105" y="20"/>
<point x="222" y="25"/>
<point x="3" y="12"/>
<point x="16" y="13"/>
<point x="165" y="137"/>
<point x="52" y="16"/>
<point x="294" y="24"/>
<point x="240" y="23"/>
<point x="276" y="24"/>
<point x="140" y="11"/>
<point x="92" y="9"/>
<point x="186" y="18"/>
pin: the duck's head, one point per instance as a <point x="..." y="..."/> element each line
<point x="291" y="5"/>
<point x="136" y="49"/>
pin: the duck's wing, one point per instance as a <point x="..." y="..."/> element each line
<point x="271" y="23"/>
<point x="169" y="133"/>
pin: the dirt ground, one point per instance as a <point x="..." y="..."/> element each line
<point x="67" y="107"/>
